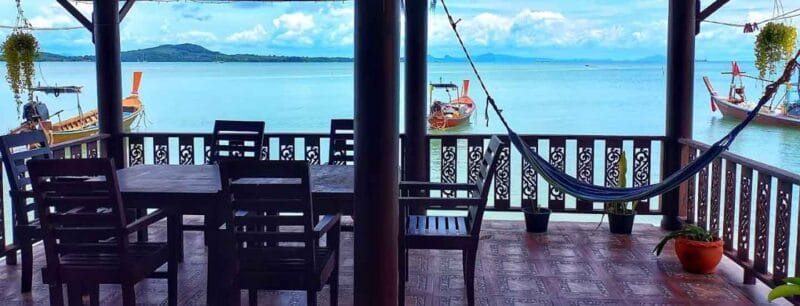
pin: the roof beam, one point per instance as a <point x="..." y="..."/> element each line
<point x="713" y="7"/>
<point x="77" y="14"/>
<point x="125" y="9"/>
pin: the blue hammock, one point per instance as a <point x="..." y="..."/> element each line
<point x="589" y="192"/>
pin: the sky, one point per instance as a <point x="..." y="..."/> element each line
<point x="585" y="29"/>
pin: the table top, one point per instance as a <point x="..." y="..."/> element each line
<point x="333" y="180"/>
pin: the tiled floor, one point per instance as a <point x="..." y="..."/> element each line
<point x="573" y="264"/>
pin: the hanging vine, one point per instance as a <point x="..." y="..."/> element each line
<point x="20" y="50"/>
<point x="775" y="44"/>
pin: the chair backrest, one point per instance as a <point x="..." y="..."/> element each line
<point x="76" y="214"/>
<point x="342" y="142"/>
<point x="236" y="140"/>
<point x="16" y="149"/>
<point x="484" y="182"/>
<point x="273" y="215"/>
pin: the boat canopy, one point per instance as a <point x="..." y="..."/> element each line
<point x="444" y="85"/>
<point x="57" y="90"/>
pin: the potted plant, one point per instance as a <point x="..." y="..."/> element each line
<point x="790" y="289"/>
<point x="698" y="250"/>
<point x="20" y="49"/>
<point x="621" y="215"/>
<point x="536" y="218"/>
<point x="774" y="44"/>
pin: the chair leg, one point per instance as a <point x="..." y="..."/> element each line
<point x="469" y="274"/>
<point x="94" y="294"/>
<point x="56" y="295"/>
<point x="311" y="297"/>
<point x="11" y="258"/>
<point x="252" y="297"/>
<point x="179" y="240"/>
<point x="75" y="294"/>
<point x="128" y="295"/>
<point x="334" y="284"/>
<point x="173" y="244"/>
<point x="27" y="266"/>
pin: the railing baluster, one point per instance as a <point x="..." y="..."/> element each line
<point x="716" y="193"/>
<point x="474" y="157"/>
<point x="502" y="179"/>
<point x="730" y="204"/>
<point x="763" y="199"/>
<point x="642" y="159"/>
<point x="2" y="214"/>
<point x="585" y="170"/>
<point x="312" y="150"/>
<point x="745" y="202"/>
<point x="265" y="148"/>
<point x="91" y="150"/>
<point x="286" y="148"/>
<point x="691" y="188"/>
<point x="186" y="150"/>
<point x="449" y="160"/>
<point x="135" y="150"/>
<point x="207" y="149"/>
<point x="613" y="153"/>
<point x="161" y="150"/>
<point x="530" y="184"/>
<point x="558" y="155"/>
<point x="702" y="198"/>
<point x="76" y="151"/>
<point x="783" y="211"/>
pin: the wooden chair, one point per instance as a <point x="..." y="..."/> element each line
<point x="16" y="149"/>
<point x="271" y="235"/>
<point x="448" y="233"/>
<point x="86" y="233"/>
<point x="236" y="140"/>
<point x="341" y="142"/>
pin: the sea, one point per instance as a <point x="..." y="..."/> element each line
<point x="594" y="98"/>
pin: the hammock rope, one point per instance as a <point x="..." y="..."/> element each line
<point x="590" y="192"/>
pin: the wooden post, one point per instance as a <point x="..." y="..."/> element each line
<point x="680" y="91"/>
<point x="109" y="77"/>
<point x="415" y="154"/>
<point x="376" y="151"/>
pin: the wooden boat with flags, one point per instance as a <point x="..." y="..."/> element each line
<point x="37" y="116"/>
<point x="455" y="112"/>
<point x="781" y="112"/>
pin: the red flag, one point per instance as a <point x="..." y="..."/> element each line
<point x="735" y="69"/>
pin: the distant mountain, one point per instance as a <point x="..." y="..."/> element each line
<point x="190" y="53"/>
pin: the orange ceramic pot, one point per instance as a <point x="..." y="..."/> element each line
<point x="699" y="256"/>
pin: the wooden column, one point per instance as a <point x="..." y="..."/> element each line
<point x="109" y="77"/>
<point x="415" y="152"/>
<point x="377" y="65"/>
<point x="680" y="92"/>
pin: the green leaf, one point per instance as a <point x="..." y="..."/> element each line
<point x="783" y="291"/>
<point x="792" y="280"/>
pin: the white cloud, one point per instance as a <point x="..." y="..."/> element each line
<point x="257" y="33"/>
<point x="196" y="36"/>
<point x="295" y="28"/>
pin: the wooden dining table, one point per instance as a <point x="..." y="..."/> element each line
<point x="196" y="190"/>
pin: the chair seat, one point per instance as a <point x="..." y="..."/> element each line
<point x="104" y="267"/>
<point x="436" y="226"/>
<point x="263" y="272"/>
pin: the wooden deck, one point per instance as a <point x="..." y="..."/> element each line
<point x="571" y="265"/>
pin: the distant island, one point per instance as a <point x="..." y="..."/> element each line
<point x="192" y="53"/>
<point x="196" y="53"/>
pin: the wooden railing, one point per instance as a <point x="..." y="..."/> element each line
<point x="749" y="204"/>
<point x="454" y="158"/>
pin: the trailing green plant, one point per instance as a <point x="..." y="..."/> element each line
<point x="20" y="49"/>
<point x="688" y="231"/>
<point x="622" y="208"/>
<point x="774" y="44"/>
<point x="790" y="289"/>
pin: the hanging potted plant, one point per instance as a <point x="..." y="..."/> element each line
<point x="774" y="44"/>
<point x="536" y="218"/>
<point x="20" y="49"/>
<point x="621" y="215"/>
<point x="698" y="250"/>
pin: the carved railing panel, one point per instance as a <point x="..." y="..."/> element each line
<point x="702" y="198"/>
<point x="558" y="155"/>
<point x="161" y="151"/>
<point x="745" y="202"/>
<point x="728" y="225"/>
<point x="186" y="150"/>
<point x="642" y="159"/>
<point x="585" y="170"/>
<point x="613" y="154"/>
<point x="530" y="183"/>
<point x="783" y="208"/>
<point x="449" y="161"/>
<point x="135" y="150"/>
<point x="716" y="189"/>
<point x="286" y="148"/>
<point x="312" y="150"/>
<point x="691" y="187"/>
<point x="762" y="222"/>
<point x="502" y="179"/>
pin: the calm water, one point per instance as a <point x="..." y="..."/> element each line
<point x="601" y="98"/>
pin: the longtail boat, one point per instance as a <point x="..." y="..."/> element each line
<point x="735" y="105"/>
<point x="455" y="112"/>
<point x="85" y="124"/>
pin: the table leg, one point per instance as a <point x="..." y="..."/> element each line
<point x="142" y="234"/>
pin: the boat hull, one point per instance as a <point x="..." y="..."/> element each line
<point x="441" y="122"/>
<point x="68" y="130"/>
<point x="739" y="112"/>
